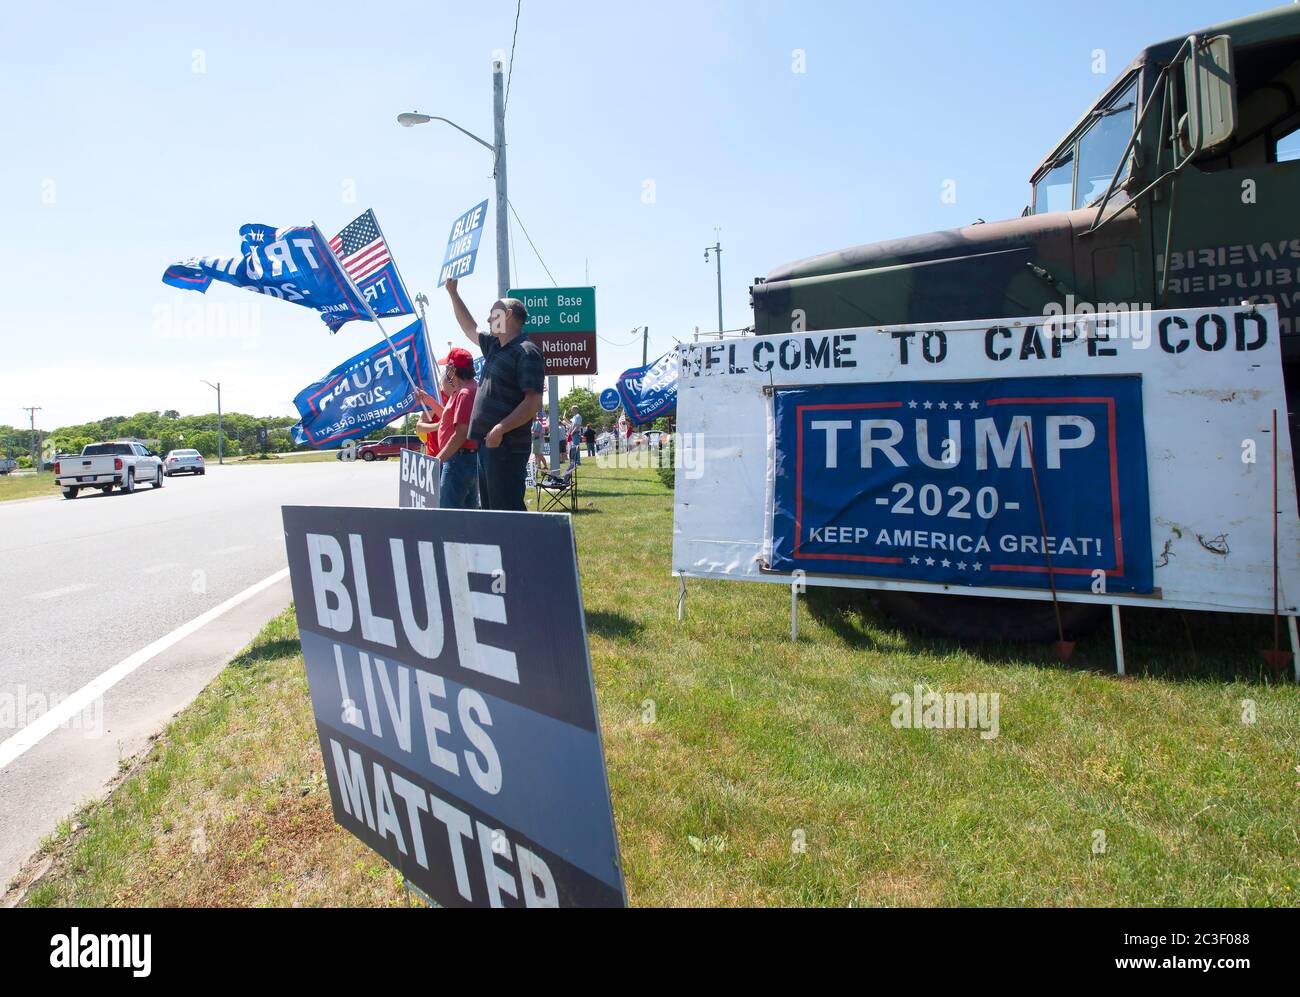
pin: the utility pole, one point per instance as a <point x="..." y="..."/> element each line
<point x="31" y="411"/>
<point x="645" y="344"/>
<point x="217" y="387"/>
<point x="716" y="249"/>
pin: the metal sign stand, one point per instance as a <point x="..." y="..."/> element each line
<point x="794" y="611"/>
<point x="1119" y="638"/>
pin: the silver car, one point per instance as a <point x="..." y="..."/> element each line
<point x="183" y="462"/>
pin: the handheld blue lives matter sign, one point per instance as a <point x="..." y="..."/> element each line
<point x="451" y="686"/>
<point x="365" y="392"/>
<point x="650" y="392"/>
<point x="292" y="264"/>
<point x="933" y="481"/>
<point x="462" y="244"/>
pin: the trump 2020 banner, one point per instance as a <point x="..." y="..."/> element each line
<point x="365" y="392"/>
<point x="292" y="264"/>
<point x="650" y="392"/>
<point x="933" y="481"/>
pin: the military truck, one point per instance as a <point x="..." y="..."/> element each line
<point x="1179" y="187"/>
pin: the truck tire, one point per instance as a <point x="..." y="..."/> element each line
<point x="128" y="483"/>
<point x="976" y="618"/>
<point x="69" y="493"/>
<point x="158" y="478"/>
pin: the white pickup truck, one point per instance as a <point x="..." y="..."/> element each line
<point x="107" y="465"/>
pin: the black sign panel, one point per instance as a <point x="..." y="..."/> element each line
<point x="418" y="480"/>
<point x="451" y="683"/>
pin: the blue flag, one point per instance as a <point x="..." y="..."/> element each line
<point x="293" y="264"/>
<point x="650" y="392"/>
<point x="365" y="392"/>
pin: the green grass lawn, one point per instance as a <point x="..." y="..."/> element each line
<point x="728" y="746"/>
<point x="15" y="486"/>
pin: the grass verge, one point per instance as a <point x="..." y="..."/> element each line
<point x="21" y="486"/>
<point x="728" y="746"/>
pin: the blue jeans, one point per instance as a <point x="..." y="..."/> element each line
<point x="501" y="473"/>
<point x="458" y="481"/>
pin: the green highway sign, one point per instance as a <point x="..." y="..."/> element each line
<point x="562" y="321"/>
<point x="558" y="309"/>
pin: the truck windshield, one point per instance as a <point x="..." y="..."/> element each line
<point x="1102" y="145"/>
<point x="1097" y="149"/>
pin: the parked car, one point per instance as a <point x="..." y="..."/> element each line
<point x="183" y="462"/>
<point x="105" y="466"/>
<point x="389" y="446"/>
<point x="7" y="466"/>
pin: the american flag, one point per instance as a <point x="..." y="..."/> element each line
<point x="361" y="248"/>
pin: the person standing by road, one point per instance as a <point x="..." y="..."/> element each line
<point x="450" y="442"/>
<point x="509" y="396"/>
<point x="590" y="436"/>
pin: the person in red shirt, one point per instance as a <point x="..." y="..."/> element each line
<point x="447" y="438"/>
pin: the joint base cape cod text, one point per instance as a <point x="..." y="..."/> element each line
<point x="905" y="456"/>
<point x="451" y="685"/>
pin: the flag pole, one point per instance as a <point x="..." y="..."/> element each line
<point x="371" y="312"/>
<point x="424" y="321"/>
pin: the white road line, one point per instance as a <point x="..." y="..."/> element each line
<point x="46" y="723"/>
<point x="55" y="593"/>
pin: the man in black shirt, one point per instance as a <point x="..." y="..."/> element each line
<point x="509" y="395"/>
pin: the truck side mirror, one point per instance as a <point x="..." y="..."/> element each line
<point x="1211" y="91"/>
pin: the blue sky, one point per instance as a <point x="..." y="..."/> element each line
<point x="139" y="134"/>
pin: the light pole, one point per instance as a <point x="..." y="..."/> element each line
<point x="217" y="388"/>
<point x="498" y="150"/>
<point x="36" y="461"/>
<point x="716" y="249"/>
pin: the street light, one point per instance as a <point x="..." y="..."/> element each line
<point x="217" y="388"/>
<point x="409" y="119"/>
<point x="716" y="249"/>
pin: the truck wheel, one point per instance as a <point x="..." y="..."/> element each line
<point x="158" y="478"/>
<point x="975" y="618"/>
<point x="128" y="483"/>
<point x="368" y="455"/>
<point x="69" y="493"/>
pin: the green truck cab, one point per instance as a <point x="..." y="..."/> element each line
<point x="1179" y="187"/>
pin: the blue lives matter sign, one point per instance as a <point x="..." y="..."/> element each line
<point x="933" y="481"/>
<point x="462" y="244"/>
<point x="451" y="685"/>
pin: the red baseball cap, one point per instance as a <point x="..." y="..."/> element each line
<point x="460" y="359"/>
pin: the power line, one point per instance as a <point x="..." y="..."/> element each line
<point x="510" y="72"/>
<point x="514" y="259"/>
<point x="524" y="229"/>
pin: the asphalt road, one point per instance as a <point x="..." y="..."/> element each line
<point x="87" y="583"/>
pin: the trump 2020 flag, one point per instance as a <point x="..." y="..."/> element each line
<point x="365" y="392"/>
<point x="364" y="254"/>
<point x="650" y="392"/>
<point x="292" y="264"/>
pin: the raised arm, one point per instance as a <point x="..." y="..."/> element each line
<point x="463" y="317"/>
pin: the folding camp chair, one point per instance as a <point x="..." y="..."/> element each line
<point x="560" y="488"/>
